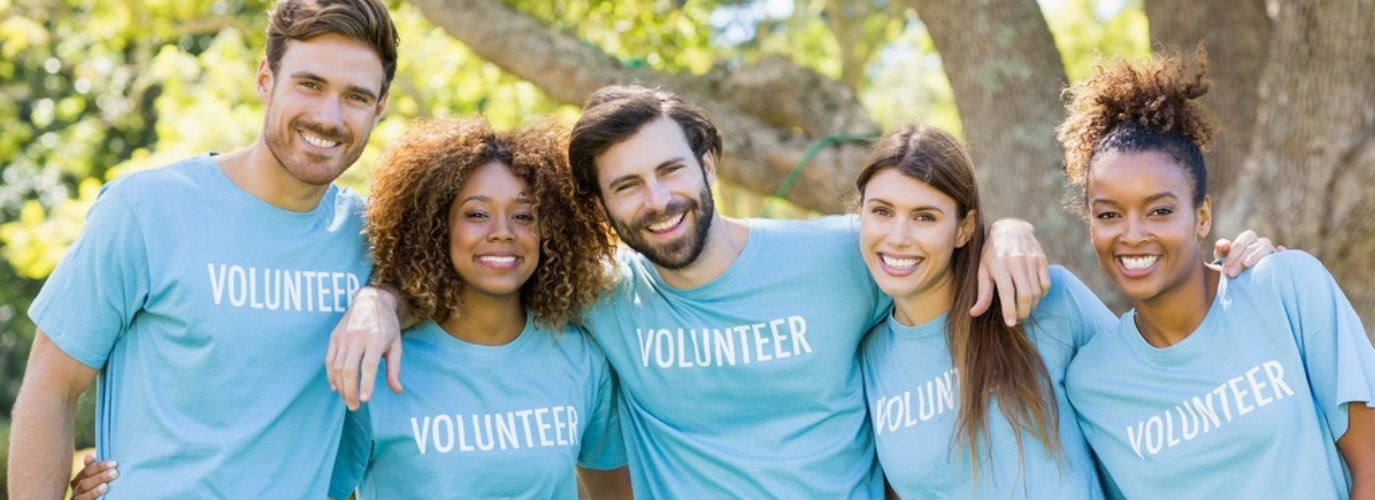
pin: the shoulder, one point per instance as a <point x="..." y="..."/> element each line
<point x="1066" y="295"/>
<point x="832" y="226"/>
<point x="186" y="173"/>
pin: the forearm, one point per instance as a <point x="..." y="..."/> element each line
<point x="40" y="454"/>
<point x="611" y="484"/>
<point x="1357" y="447"/>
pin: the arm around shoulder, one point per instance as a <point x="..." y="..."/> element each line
<point x="1357" y="447"/>
<point x="41" y="441"/>
<point x="606" y="484"/>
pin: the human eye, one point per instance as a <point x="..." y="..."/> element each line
<point x="1105" y="215"/>
<point x="1162" y="211"/>
<point x="880" y="211"/>
<point x="924" y="217"/>
<point x="476" y="214"/>
<point x="525" y="216"/>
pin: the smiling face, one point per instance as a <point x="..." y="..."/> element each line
<point x="657" y="195"/>
<point x="322" y="103"/>
<point x="494" y="236"/>
<point x="908" y="232"/>
<point x="1144" y="225"/>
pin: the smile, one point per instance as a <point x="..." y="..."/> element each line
<point x="900" y="263"/>
<point x="665" y="225"/>
<point x="1137" y="263"/>
<point x="317" y="141"/>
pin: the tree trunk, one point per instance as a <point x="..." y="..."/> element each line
<point x="1312" y="158"/>
<point x="768" y="114"/>
<point x="1237" y="36"/>
<point x="1007" y="75"/>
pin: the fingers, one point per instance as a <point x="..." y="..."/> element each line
<point x="1026" y="278"/>
<point x="90" y="481"/>
<point x="1007" y="297"/>
<point x="1221" y="248"/>
<point x="329" y="360"/>
<point x="1232" y="265"/>
<point x="985" y="292"/>
<point x="368" y="373"/>
<point x="394" y="366"/>
<point x="346" y="368"/>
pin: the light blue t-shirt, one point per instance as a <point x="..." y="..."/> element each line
<point x="478" y="421"/>
<point x="1248" y="406"/>
<point x="748" y="386"/>
<point x="913" y="394"/>
<point x="208" y="312"/>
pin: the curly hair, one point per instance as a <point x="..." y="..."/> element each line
<point x="417" y="182"/>
<point x="1128" y="108"/>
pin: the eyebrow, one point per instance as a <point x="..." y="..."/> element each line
<point x="523" y="199"/>
<point x="306" y="75"/>
<point x="1151" y="198"/>
<point x="916" y="209"/>
<point x="665" y="163"/>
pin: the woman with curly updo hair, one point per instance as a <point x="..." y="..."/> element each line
<point x="481" y="233"/>
<point x="1253" y="386"/>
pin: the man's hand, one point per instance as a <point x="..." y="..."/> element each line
<point x="1243" y="252"/>
<point x="1014" y="262"/>
<point x="91" y="481"/>
<point x="369" y="331"/>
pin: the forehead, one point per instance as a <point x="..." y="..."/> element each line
<point x="1148" y="172"/>
<point x="655" y="143"/>
<point x="336" y="58"/>
<point x="492" y="179"/>
<point x="899" y="189"/>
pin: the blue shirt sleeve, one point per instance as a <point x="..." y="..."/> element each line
<point x="603" y="445"/>
<point x="99" y="286"/>
<point x="1093" y="317"/>
<point x="1337" y="353"/>
<point x="355" y="449"/>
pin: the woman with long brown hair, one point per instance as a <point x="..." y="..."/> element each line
<point x="963" y="407"/>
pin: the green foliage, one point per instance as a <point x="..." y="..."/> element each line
<point x="1086" y="31"/>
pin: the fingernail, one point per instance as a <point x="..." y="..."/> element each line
<point x="101" y="488"/>
<point x="114" y="463"/>
<point x="112" y="474"/>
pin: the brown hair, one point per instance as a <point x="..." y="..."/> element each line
<point x="408" y="217"/>
<point x="366" y="21"/>
<point x="616" y="112"/>
<point x="992" y="359"/>
<point x="1150" y="106"/>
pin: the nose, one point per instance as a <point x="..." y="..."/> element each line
<point x="501" y="230"/>
<point x="658" y="196"/>
<point x="328" y="112"/>
<point x="1135" y="230"/>
<point x="898" y="234"/>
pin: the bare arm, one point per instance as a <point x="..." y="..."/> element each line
<point x="607" y="484"/>
<point x="369" y="331"/>
<point x="1357" y="447"/>
<point x="44" y="414"/>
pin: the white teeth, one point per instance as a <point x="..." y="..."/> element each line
<point x="666" y="225"/>
<point x="317" y="141"/>
<point x="1138" y="263"/>
<point x="494" y="259"/>
<point x="907" y="263"/>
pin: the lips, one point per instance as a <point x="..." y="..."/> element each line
<point x="317" y="141"/>
<point x="1135" y="266"/>
<point x="899" y="265"/>
<point x="499" y="261"/>
<point x="667" y="223"/>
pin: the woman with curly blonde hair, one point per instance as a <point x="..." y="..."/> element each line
<point x="1257" y="386"/>
<point x="481" y="233"/>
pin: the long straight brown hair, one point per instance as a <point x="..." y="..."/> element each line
<point x="992" y="359"/>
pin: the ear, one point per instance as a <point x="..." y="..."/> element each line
<point x="265" y="82"/>
<point x="965" y="231"/>
<point x="1204" y="215"/>
<point x="709" y="168"/>
<point x="382" y="105"/>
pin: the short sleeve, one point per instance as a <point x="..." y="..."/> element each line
<point x="1337" y="353"/>
<point x="1093" y="317"/>
<point x="603" y="445"/>
<point x="99" y="286"/>
<point x="355" y="449"/>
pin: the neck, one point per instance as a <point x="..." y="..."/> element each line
<point x="256" y="171"/>
<point x="725" y="240"/>
<point x="1172" y="316"/>
<point x="485" y="320"/>
<point x="918" y="309"/>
